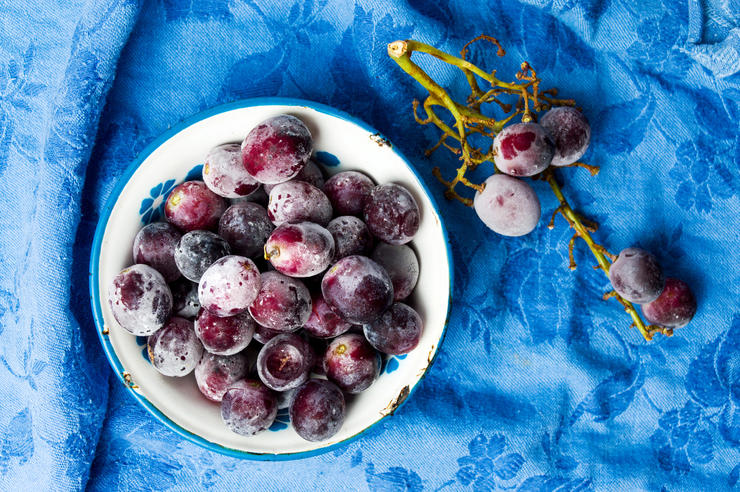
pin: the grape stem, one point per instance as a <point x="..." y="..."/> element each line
<point x="469" y="119"/>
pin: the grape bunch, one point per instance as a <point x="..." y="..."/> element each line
<point x="330" y="300"/>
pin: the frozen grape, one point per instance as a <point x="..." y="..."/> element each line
<point x="224" y="336"/>
<point x="351" y="236"/>
<point x="317" y="410"/>
<point x="570" y="131"/>
<point x="224" y="173"/>
<point x="348" y="191"/>
<point x="229" y="285"/>
<point x="402" y="266"/>
<point x="357" y="289"/>
<point x="636" y="276"/>
<point x="192" y="206"/>
<point x="674" y="307"/>
<point x="391" y="214"/>
<point x="507" y="205"/>
<point x="264" y="335"/>
<point x="197" y="250"/>
<point x="185" y="301"/>
<point x="214" y="374"/>
<point x="154" y="245"/>
<point x="323" y="322"/>
<point x="282" y="304"/>
<point x="140" y="299"/>
<point x="285" y="362"/>
<point x="277" y="149"/>
<point x="248" y="407"/>
<point x="175" y="350"/>
<point x="522" y="149"/>
<point x="303" y="249"/>
<point x="246" y="227"/>
<point x="351" y="363"/>
<point x="397" y="331"/>
<point x="259" y="196"/>
<point x="297" y="201"/>
<point x="311" y="174"/>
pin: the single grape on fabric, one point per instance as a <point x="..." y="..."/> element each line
<point x="248" y="407"/>
<point x="224" y="336"/>
<point x="317" y="410"/>
<point x="191" y="206"/>
<point x="636" y="275"/>
<point x="224" y="173"/>
<point x="507" y="205"/>
<point x="197" y="250"/>
<point x="351" y="236"/>
<point x="357" y="289"/>
<point x="402" y="266"/>
<point x="185" y="301"/>
<point x="303" y="249"/>
<point x="174" y="350"/>
<point x="323" y="322"/>
<point x="569" y="130"/>
<point x="348" y="191"/>
<point x="397" y="331"/>
<point x="674" y="307"/>
<point x="282" y="304"/>
<point x="391" y="214"/>
<point x="297" y="201"/>
<point x="229" y="285"/>
<point x="311" y="174"/>
<point x="277" y="149"/>
<point x="285" y="362"/>
<point x="523" y="149"/>
<point x="154" y="245"/>
<point x="140" y="299"/>
<point x="351" y="363"/>
<point x="246" y="227"/>
<point x="214" y="374"/>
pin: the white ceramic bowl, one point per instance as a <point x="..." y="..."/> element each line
<point x="341" y="142"/>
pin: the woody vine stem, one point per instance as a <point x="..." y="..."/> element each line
<point x="530" y="100"/>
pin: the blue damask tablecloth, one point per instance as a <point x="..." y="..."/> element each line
<point x="539" y="386"/>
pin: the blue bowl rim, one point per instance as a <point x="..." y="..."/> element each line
<point x="95" y="261"/>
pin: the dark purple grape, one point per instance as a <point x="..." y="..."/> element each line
<point x="246" y="227"/>
<point x="197" y="250"/>
<point x="297" y="201"/>
<point x="175" y="350"/>
<point x="264" y="335"/>
<point x="224" y="173"/>
<point x="285" y="362"/>
<point x="674" y="307"/>
<point x="397" y="331"/>
<point x="140" y="300"/>
<point x="248" y="407"/>
<point x="351" y="363"/>
<point x="311" y="174"/>
<point x="318" y="348"/>
<point x="154" y="245"/>
<point x="507" y="205"/>
<point x="277" y="149"/>
<point x="303" y="249"/>
<point x="317" y="410"/>
<point x="570" y="131"/>
<point x="214" y="374"/>
<point x="259" y="196"/>
<point x="282" y="304"/>
<point x="402" y="266"/>
<point x="229" y="286"/>
<point x="351" y="236"/>
<point x="391" y="214"/>
<point x="191" y="206"/>
<point x="185" y="301"/>
<point x="357" y="289"/>
<point x="348" y="191"/>
<point x="224" y="336"/>
<point x="323" y="322"/>
<point x="637" y="276"/>
<point x="522" y="149"/>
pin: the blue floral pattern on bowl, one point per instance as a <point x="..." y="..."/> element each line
<point x="152" y="207"/>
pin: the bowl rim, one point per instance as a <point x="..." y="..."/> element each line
<point x="101" y="227"/>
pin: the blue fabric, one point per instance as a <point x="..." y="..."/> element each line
<point x="539" y="386"/>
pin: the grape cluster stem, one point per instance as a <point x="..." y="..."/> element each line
<point x="468" y="120"/>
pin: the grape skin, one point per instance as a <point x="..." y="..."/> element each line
<point x="224" y="173"/>
<point x="569" y="130"/>
<point x="215" y="373"/>
<point x="154" y="245"/>
<point x="391" y="214"/>
<point x="351" y="363"/>
<point x="523" y="149"/>
<point x="317" y="410"/>
<point x="303" y="249"/>
<point x="277" y="149"/>
<point x="191" y="206"/>
<point x="351" y="236"/>
<point x="636" y="276"/>
<point x="297" y="201"/>
<point x="246" y="227"/>
<point x="348" y="192"/>
<point x="674" y="307"/>
<point x="402" y="266"/>
<point x="175" y="350"/>
<point x="282" y="304"/>
<point x="224" y="335"/>
<point x="397" y="331"/>
<point x="285" y="362"/>
<point x="196" y="251"/>
<point x="229" y="286"/>
<point x="248" y="407"/>
<point x="140" y="300"/>
<point x="507" y="205"/>
<point x="357" y="289"/>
